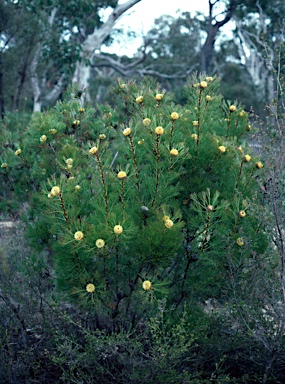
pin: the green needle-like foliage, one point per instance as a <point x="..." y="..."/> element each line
<point x="144" y="191"/>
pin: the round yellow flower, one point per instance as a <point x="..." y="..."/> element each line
<point x="246" y="158"/>
<point x="90" y="288"/>
<point x="100" y="243"/>
<point x="208" y="98"/>
<point x="76" y="122"/>
<point x="78" y="235"/>
<point x="139" y="99"/>
<point x="81" y="110"/>
<point x="146" y="122"/>
<point x="174" y="116"/>
<point x="121" y="175"/>
<point x="169" y="223"/>
<point x="102" y="136"/>
<point x="194" y="136"/>
<point x="195" y="123"/>
<point x="209" y="79"/>
<point x="118" y="229"/>
<point x="210" y="208"/>
<point x="240" y="241"/>
<point x="77" y="187"/>
<point x="159" y="96"/>
<point x="159" y="130"/>
<point x="242" y="213"/>
<point x="18" y="152"/>
<point x="53" y="131"/>
<point x="69" y="161"/>
<point x="43" y="139"/>
<point x="140" y="142"/>
<point x="249" y="127"/>
<point x="232" y="108"/>
<point x="165" y="218"/>
<point x="4" y="165"/>
<point x="93" y="150"/>
<point x="174" y="152"/>
<point x="242" y="113"/>
<point x="71" y="178"/>
<point x="222" y="149"/>
<point x="203" y="84"/>
<point x="259" y="165"/>
<point x="146" y="285"/>
<point x="55" y="191"/>
<point x="122" y="86"/>
<point x="127" y="132"/>
<point x="69" y="166"/>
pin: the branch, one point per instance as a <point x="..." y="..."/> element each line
<point x="95" y="39"/>
<point x="127" y="70"/>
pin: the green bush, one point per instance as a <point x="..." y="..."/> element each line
<point x="149" y="191"/>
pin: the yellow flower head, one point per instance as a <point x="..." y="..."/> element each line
<point x="122" y="86"/>
<point x="203" y="84"/>
<point x="242" y="113"/>
<point x="18" y="152"/>
<point x="146" y="285"/>
<point x="102" y="136"/>
<point x="159" y="130"/>
<point x="259" y="165"/>
<point x="4" y="165"/>
<point x="53" y="131"/>
<point x="210" y="208"/>
<point x="174" y="152"/>
<point x="194" y="136"/>
<point x="71" y="178"/>
<point x="195" y="123"/>
<point x="76" y="122"/>
<point x="43" y="139"/>
<point x="121" y="175"/>
<point x="159" y="96"/>
<point x="100" y="243"/>
<point x="55" y="191"/>
<point x="240" y="241"/>
<point x="242" y="213"/>
<point x="78" y="235"/>
<point x="69" y="166"/>
<point x="139" y="99"/>
<point x="93" y="150"/>
<point x="81" y="110"/>
<point x="246" y="158"/>
<point x="249" y="127"/>
<point x="169" y="223"/>
<point x="209" y="79"/>
<point x="208" y="98"/>
<point x="174" y="116"/>
<point x="146" y="122"/>
<point x="77" y="187"/>
<point x="127" y="132"/>
<point x="69" y="161"/>
<point x="90" y="287"/>
<point x="118" y="229"/>
<point x="232" y="108"/>
<point x="222" y="149"/>
<point x="240" y="149"/>
<point x="140" y="142"/>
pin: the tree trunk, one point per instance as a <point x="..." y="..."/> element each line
<point x="94" y="41"/>
<point x="207" y="50"/>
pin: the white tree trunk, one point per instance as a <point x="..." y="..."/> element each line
<point x="94" y="42"/>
